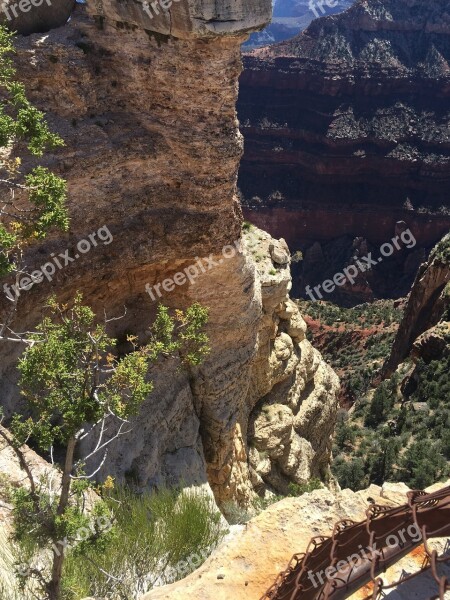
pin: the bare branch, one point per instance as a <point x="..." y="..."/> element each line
<point x="115" y="437"/>
<point x="22" y="461"/>
<point x="102" y="431"/>
<point x="19" y="186"/>
<point x="103" y="571"/>
<point x="96" y="470"/>
<point x="92" y="428"/>
<point x="117" y="416"/>
<point x="115" y="318"/>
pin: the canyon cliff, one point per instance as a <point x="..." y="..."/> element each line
<point x="147" y="111"/>
<point x="347" y="130"/>
<point x="426" y="305"/>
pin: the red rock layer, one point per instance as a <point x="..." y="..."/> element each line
<point x="351" y="118"/>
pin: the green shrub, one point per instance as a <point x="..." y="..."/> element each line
<point x="298" y="489"/>
<point x="157" y="537"/>
<point x="422" y="465"/>
<point x="382" y="403"/>
<point x="350" y="474"/>
<point x="237" y="515"/>
<point x="441" y="252"/>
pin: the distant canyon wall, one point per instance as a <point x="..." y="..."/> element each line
<point x="320" y="224"/>
<point x="347" y="128"/>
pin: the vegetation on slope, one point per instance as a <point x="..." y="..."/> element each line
<point x="157" y="538"/>
<point x="35" y="202"/>
<point x="71" y="378"/>
<point x="396" y="436"/>
<point x="399" y="431"/>
<point x="354" y="341"/>
<point x="441" y="252"/>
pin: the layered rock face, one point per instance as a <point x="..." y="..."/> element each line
<point x="187" y="19"/>
<point x="152" y="152"/>
<point x="292" y="16"/>
<point x="347" y="128"/>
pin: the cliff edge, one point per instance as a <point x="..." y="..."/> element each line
<point x="151" y="159"/>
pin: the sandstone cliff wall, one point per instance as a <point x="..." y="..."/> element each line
<point x="152" y="152"/>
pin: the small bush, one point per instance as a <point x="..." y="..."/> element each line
<point x="236" y="515"/>
<point x="298" y="489"/>
<point x="157" y="538"/>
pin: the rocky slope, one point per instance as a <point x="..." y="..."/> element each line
<point x="347" y="127"/>
<point x="398" y="428"/>
<point x="238" y="570"/>
<point x="152" y="152"/>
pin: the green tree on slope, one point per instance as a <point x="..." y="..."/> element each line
<point x="32" y="202"/>
<point x="69" y="378"/>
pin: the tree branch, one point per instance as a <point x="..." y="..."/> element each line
<point x="22" y="461"/>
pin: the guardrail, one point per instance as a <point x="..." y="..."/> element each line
<point x="333" y="568"/>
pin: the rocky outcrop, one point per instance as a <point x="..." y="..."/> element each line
<point x="295" y="391"/>
<point x="425" y="306"/>
<point x="246" y="564"/>
<point x="35" y="16"/>
<point x="432" y="344"/>
<point x="152" y="152"/>
<point x="346" y="126"/>
<point x="187" y="20"/>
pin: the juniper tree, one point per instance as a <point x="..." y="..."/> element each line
<point x="33" y="201"/>
<point x="69" y="378"/>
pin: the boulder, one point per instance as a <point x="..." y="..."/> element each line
<point x="35" y="16"/>
<point x="279" y="252"/>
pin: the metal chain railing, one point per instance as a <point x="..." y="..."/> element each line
<point x="334" y="567"/>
